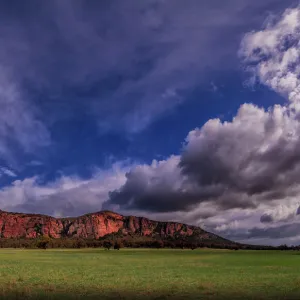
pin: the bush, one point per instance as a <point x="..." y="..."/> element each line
<point x="158" y="244"/>
<point x="107" y="244"/>
<point x="193" y="246"/>
<point x="118" y="245"/>
<point x="43" y="242"/>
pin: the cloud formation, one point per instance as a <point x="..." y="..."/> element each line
<point x="7" y="172"/>
<point x="20" y="125"/>
<point x="66" y="196"/>
<point x="239" y="164"/>
<point x="282" y="213"/>
<point x="249" y="163"/>
<point x="273" y="55"/>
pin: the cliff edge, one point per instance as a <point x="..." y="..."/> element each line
<point x="95" y="226"/>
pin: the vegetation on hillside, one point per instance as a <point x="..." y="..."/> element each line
<point x="118" y="242"/>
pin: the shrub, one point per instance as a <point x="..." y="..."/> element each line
<point x="193" y="246"/>
<point x="118" y="245"/>
<point x="43" y="242"/>
<point x="107" y="244"/>
<point x="158" y="244"/>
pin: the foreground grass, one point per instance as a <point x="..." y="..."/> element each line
<point x="149" y="274"/>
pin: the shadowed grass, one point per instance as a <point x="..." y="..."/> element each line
<point x="148" y="274"/>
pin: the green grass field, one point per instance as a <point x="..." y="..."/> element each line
<point x="149" y="274"/>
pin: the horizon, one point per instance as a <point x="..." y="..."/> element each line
<point x="187" y="112"/>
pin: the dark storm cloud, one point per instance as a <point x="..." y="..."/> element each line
<point x="238" y="164"/>
<point x="265" y="218"/>
<point x="158" y="187"/>
<point x="159" y="199"/>
<point x="283" y="231"/>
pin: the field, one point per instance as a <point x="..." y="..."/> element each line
<point x="149" y="274"/>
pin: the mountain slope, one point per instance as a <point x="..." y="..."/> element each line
<point x="98" y="225"/>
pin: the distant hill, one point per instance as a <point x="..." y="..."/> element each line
<point x="101" y="225"/>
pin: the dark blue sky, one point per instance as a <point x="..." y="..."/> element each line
<point x="77" y="144"/>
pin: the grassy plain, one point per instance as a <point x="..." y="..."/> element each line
<point x="149" y="274"/>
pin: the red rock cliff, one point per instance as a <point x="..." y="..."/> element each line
<point x="94" y="225"/>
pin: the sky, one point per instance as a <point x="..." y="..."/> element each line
<point x="184" y="111"/>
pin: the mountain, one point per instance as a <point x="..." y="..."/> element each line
<point x="99" y="225"/>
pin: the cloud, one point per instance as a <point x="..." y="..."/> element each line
<point x="266" y="218"/>
<point x="282" y="213"/>
<point x="20" y="126"/>
<point x="244" y="226"/>
<point x="273" y="54"/>
<point x="214" y="87"/>
<point x="66" y="196"/>
<point x="250" y="163"/>
<point x="35" y="163"/>
<point x="8" y="172"/>
<point x="147" y="185"/>
<point x="239" y="164"/>
<point x="278" y="232"/>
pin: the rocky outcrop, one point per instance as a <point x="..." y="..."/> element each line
<point x="94" y="226"/>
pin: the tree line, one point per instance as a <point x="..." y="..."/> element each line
<point x="45" y="242"/>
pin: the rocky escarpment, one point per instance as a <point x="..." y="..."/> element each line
<point x="93" y="226"/>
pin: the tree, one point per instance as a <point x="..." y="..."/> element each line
<point x="79" y="243"/>
<point x="283" y="247"/>
<point x="193" y="246"/>
<point x="118" y="245"/>
<point x="107" y="244"/>
<point x="158" y="244"/>
<point x="38" y="229"/>
<point x="43" y="242"/>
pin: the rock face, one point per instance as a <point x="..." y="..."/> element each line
<point x="93" y="226"/>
